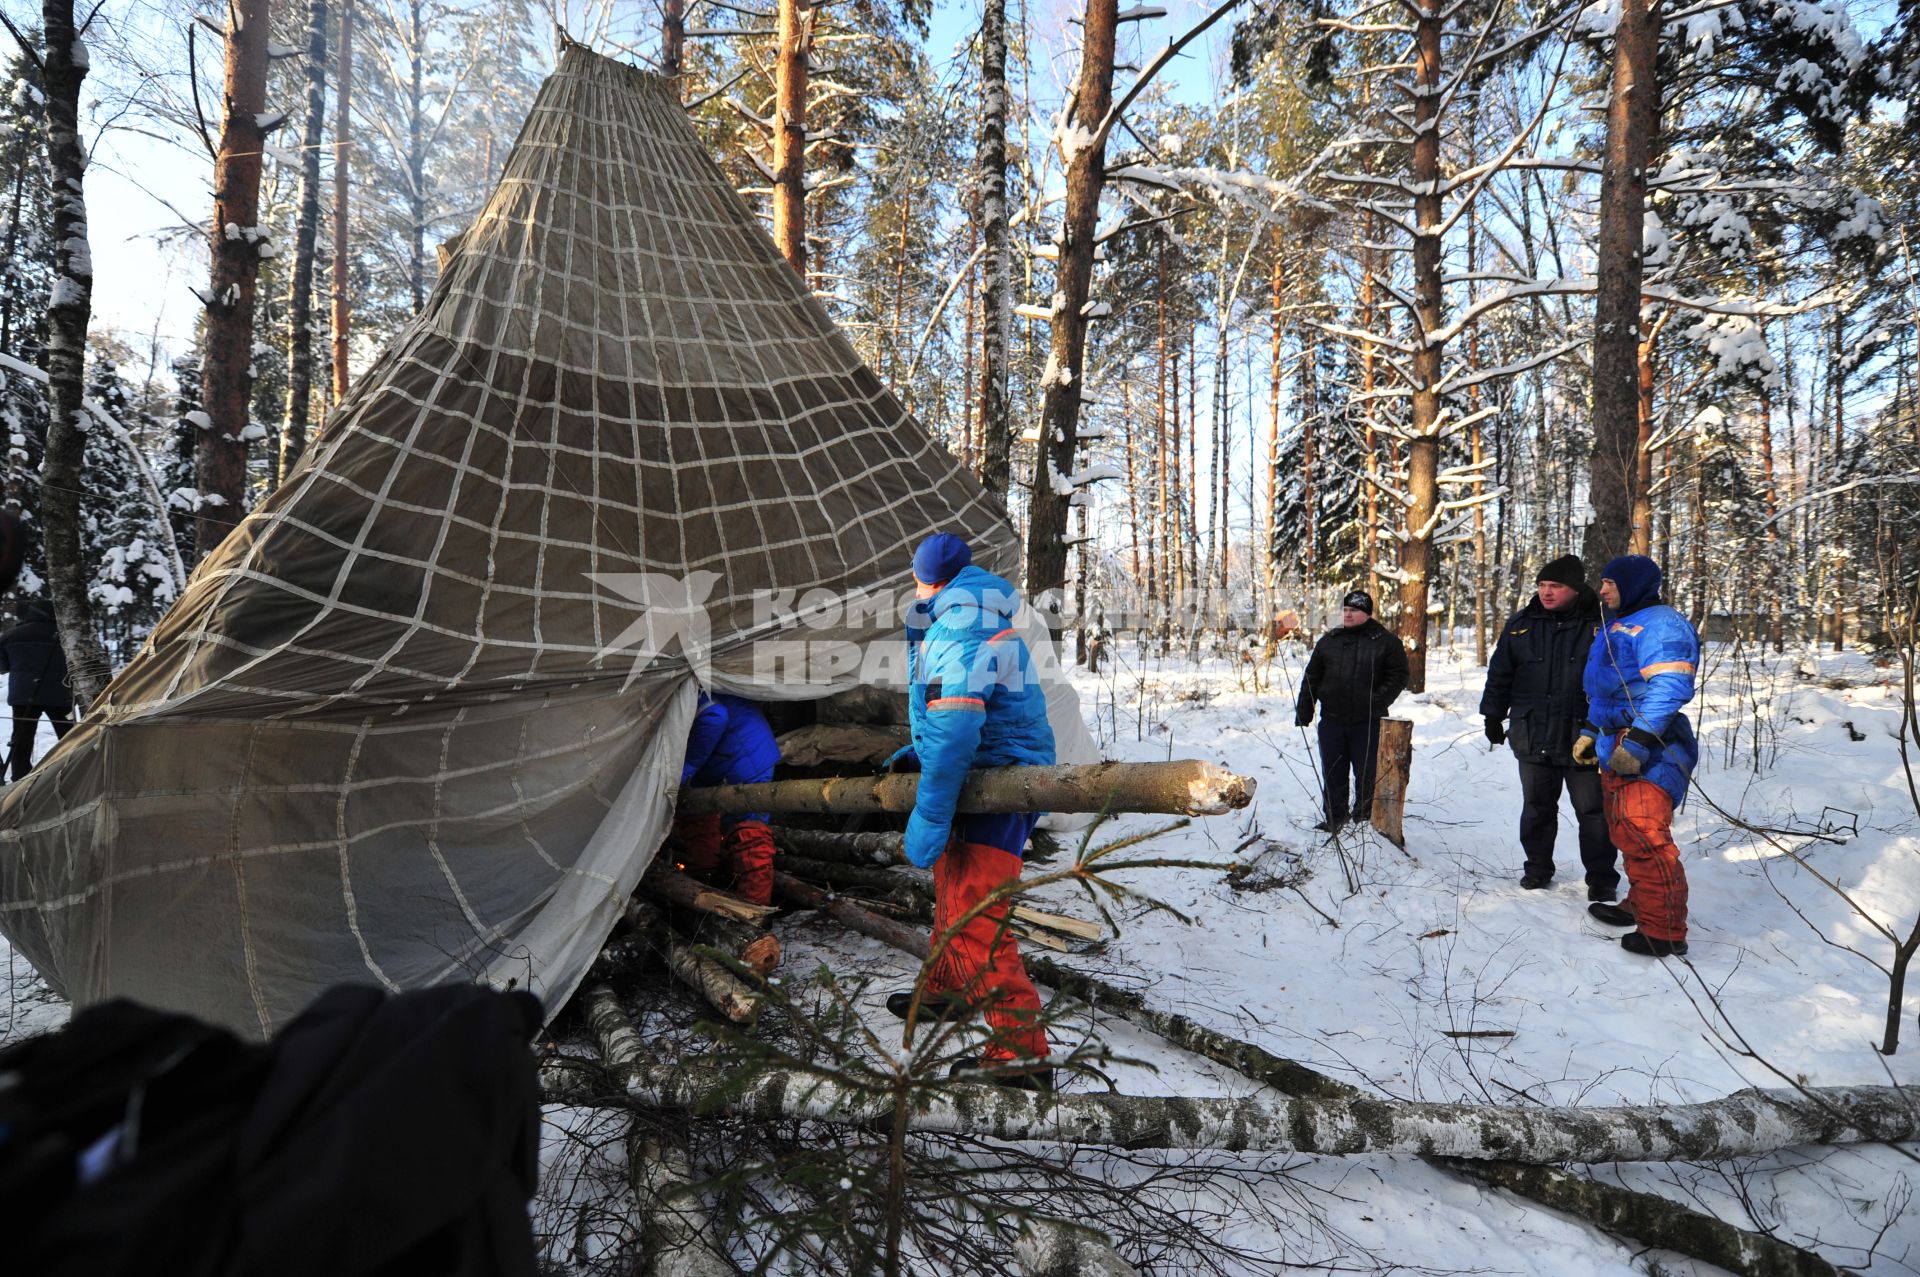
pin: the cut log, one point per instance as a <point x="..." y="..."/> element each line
<point x="1078" y="928"/>
<point x="724" y="991"/>
<point x="1394" y="758"/>
<point x="1649" y="1219"/>
<point x="1181" y="788"/>
<point x="677" y="888"/>
<point x="745" y="943"/>
<point x="1749" y="1123"/>
<point x="852" y="916"/>
<point x="833" y="873"/>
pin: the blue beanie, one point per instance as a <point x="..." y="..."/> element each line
<point x="1638" y="579"/>
<point x="940" y="558"/>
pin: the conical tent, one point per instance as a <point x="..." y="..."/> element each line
<point x="408" y="723"/>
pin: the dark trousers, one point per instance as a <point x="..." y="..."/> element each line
<point x="1540" y="820"/>
<point x="26" y="722"/>
<point x="1349" y="747"/>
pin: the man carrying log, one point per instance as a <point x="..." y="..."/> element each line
<point x="974" y="701"/>
<point x="730" y="744"/>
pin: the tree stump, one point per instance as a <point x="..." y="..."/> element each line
<point x="1393" y="760"/>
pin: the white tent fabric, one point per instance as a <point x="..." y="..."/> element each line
<point x="396" y="731"/>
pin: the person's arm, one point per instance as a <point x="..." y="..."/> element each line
<point x="709" y="725"/>
<point x="947" y="742"/>
<point x="1669" y="657"/>
<point x="1303" y="707"/>
<point x="1497" y="699"/>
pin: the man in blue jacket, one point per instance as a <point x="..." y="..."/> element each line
<point x="1640" y="672"/>
<point x="973" y="701"/>
<point x="730" y="744"/>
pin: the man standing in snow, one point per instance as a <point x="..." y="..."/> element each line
<point x="36" y="668"/>
<point x="730" y="744"/>
<point x="973" y="701"/>
<point x="1639" y="673"/>
<point x="1535" y="677"/>
<point x="1355" y="673"/>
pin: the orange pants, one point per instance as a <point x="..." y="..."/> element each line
<point x="1640" y="822"/>
<point x="981" y="962"/>
<point x="745" y="851"/>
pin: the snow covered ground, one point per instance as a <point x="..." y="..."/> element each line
<point x="1372" y="956"/>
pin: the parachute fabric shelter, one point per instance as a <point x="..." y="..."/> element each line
<point x="388" y="734"/>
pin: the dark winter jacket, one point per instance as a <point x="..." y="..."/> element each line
<point x="1535" y="676"/>
<point x="32" y="659"/>
<point x="1355" y="673"/>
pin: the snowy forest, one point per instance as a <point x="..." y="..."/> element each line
<point x="1232" y="309"/>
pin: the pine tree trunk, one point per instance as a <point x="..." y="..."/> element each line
<point x="1423" y="445"/>
<point x="293" y="441"/>
<point x="1066" y="355"/>
<point x="1633" y="121"/>
<point x="417" y="163"/>
<point x="69" y="307"/>
<point x="342" y="206"/>
<point x="790" y="134"/>
<point x="1179" y="788"/>
<point x="1640" y="534"/>
<point x="1368" y="409"/>
<point x="220" y="461"/>
<point x="996" y="298"/>
<point x="1264" y="555"/>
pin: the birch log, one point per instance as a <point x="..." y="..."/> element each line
<point x="1050" y="1248"/>
<point x="1180" y="788"/>
<point x="1745" y="1124"/>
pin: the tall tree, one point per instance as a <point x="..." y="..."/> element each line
<point x="293" y="440"/>
<point x="790" y="133"/>
<point x="235" y="241"/>
<point x="342" y="316"/>
<point x="69" y="308"/>
<point x="1082" y="140"/>
<point x="996" y="294"/>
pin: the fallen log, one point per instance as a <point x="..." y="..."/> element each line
<point x="851" y="916"/>
<point x="745" y="943"/>
<point x="1748" y="1123"/>
<point x="1050" y="1248"/>
<point x="673" y="1224"/>
<point x="1648" y="1219"/>
<point x="875" y="847"/>
<point x="833" y="873"/>
<point x="677" y="888"/>
<point x="1182" y="788"/>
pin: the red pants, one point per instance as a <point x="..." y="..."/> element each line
<point x="745" y="851"/>
<point x="1640" y="822"/>
<point x="981" y="962"/>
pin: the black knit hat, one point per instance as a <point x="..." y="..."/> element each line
<point x="1566" y="570"/>
<point x="1359" y="599"/>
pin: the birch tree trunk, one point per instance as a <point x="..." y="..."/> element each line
<point x="342" y="204"/>
<point x="1083" y="139"/>
<point x="996" y="298"/>
<point x="220" y="460"/>
<point x="416" y="162"/>
<point x="70" y="306"/>
<point x="1633" y="118"/>
<point x="790" y="134"/>
<point x="293" y="440"/>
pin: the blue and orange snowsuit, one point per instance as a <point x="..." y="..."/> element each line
<point x="730" y="744"/>
<point x="1640" y="672"/>
<point x="974" y="701"/>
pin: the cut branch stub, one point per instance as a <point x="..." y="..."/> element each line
<point x="1180" y="788"/>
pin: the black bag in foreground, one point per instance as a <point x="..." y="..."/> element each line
<point x="374" y="1135"/>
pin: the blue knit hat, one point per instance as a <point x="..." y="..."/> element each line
<point x="1638" y="579"/>
<point x="940" y="558"/>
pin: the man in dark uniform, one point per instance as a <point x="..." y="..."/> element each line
<point x="36" y="670"/>
<point x="1355" y="672"/>
<point x="1533" y="687"/>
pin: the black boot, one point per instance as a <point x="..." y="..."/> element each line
<point x="1534" y="881"/>
<point x="934" y="1007"/>
<point x="1612" y="915"/>
<point x="1020" y="1074"/>
<point x="1331" y="826"/>
<point x="1647" y="947"/>
<point x="1603" y="895"/>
